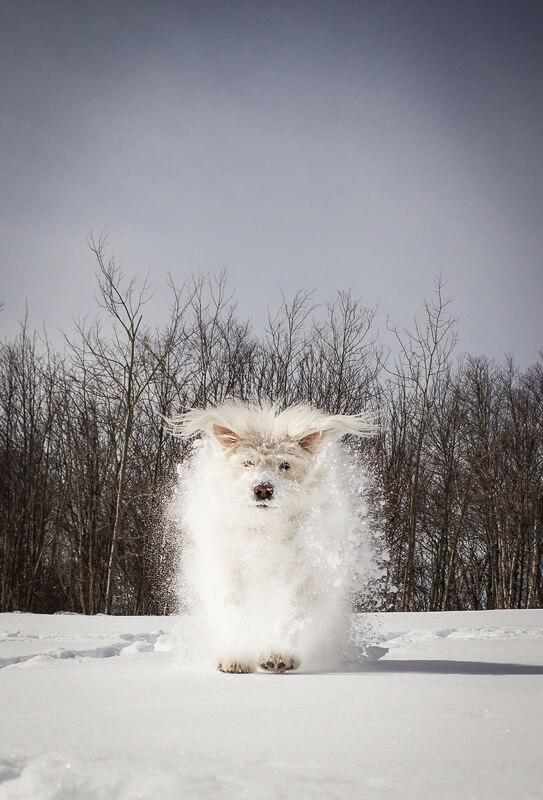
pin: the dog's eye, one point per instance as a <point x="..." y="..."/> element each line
<point x="248" y="464"/>
<point x="284" y="465"/>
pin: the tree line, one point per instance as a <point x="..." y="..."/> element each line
<point x="87" y="466"/>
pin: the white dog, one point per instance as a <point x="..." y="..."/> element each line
<point x="268" y="506"/>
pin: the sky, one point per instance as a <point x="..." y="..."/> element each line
<point x="368" y="145"/>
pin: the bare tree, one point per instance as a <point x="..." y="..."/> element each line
<point x="424" y="358"/>
<point x="347" y="353"/>
<point x="125" y="363"/>
<point x="284" y="347"/>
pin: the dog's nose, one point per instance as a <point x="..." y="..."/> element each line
<point x="264" y="491"/>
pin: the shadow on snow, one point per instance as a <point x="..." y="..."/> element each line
<point x="440" y="667"/>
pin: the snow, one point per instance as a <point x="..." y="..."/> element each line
<point x="116" y="707"/>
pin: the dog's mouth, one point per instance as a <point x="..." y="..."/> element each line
<point x="266" y="506"/>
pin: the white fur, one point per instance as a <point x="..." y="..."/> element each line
<point x="274" y="550"/>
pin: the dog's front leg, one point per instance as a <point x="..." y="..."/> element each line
<point x="282" y="655"/>
<point x="286" y="618"/>
<point x="234" y="650"/>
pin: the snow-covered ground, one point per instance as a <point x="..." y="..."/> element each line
<point x="108" y="707"/>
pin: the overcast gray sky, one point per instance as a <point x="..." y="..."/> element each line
<point x="367" y="145"/>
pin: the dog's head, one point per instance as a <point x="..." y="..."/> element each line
<point x="264" y="455"/>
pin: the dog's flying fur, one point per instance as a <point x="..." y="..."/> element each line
<point x="257" y="482"/>
<point x="257" y="423"/>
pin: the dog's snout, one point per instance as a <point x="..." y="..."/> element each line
<point x="264" y="491"/>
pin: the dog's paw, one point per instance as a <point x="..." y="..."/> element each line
<point x="235" y="667"/>
<point x="275" y="662"/>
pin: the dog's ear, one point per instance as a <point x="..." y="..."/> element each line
<point x="338" y="425"/>
<point x="311" y="441"/>
<point x="225" y="436"/>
